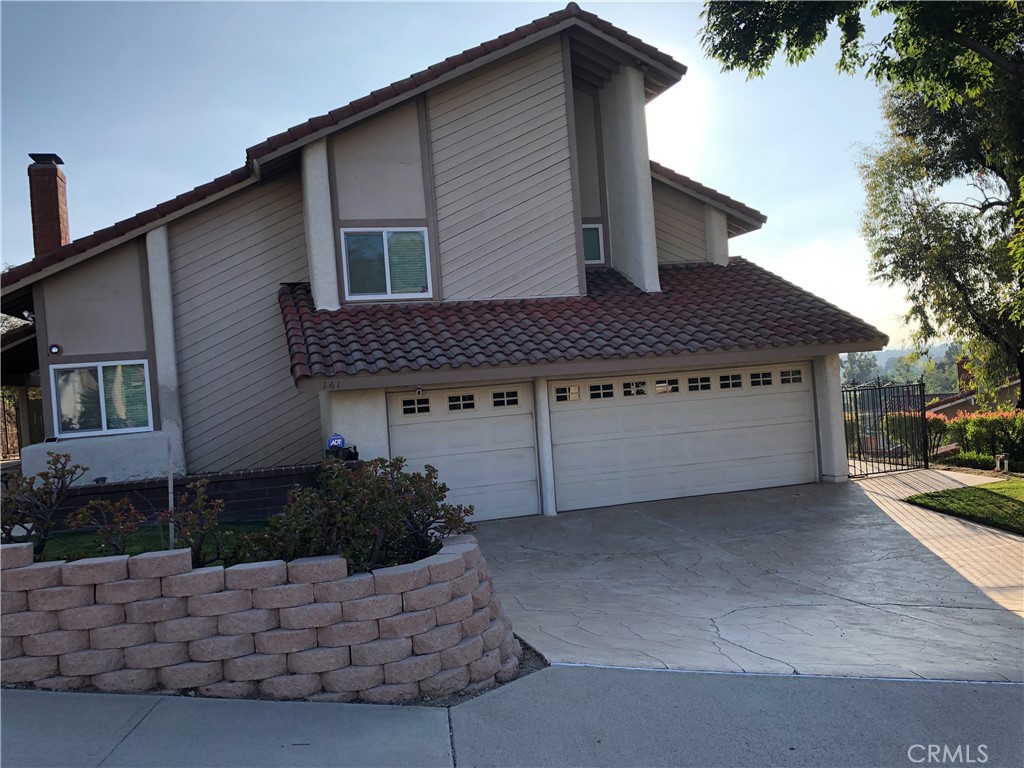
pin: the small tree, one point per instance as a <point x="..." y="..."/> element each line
<point x="31" y="503"/>
<point x="115" y="522"/>
<point x="196" y="517"/>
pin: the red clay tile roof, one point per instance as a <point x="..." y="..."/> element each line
<point x="702" y="308"/>
<point x="433" y="72"/>
<point x="657" y="169"/>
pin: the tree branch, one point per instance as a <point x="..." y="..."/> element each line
<point x="1010" y="67"/>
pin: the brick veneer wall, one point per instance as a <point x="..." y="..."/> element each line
<point x="248" y="494"/>
<point x="298" y="630"/>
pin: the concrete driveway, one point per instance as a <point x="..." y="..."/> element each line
<point x="813" y="579"/>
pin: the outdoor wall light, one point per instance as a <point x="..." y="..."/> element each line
<point x="55" y="349"/>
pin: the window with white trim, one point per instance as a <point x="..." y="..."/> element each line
<point x="666" y="386"/>
<point x="386" y="263"/>
<point x="601" y="391"/>
<point x="505" y="399"/>
<point x="634" y="388"/>
<point x="793" y="376"/>
<point x="565" y="394"/>
<point x="698" y="383"/>
<point x="593" y="244"/>
<point x="414" y="405"/>
<point x="461" y="402"/>
<point x="730" y="381"/>
<point x="101" y="398"/>
<point x="761" y="379"/>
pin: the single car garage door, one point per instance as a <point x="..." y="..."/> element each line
<point x="645" y="437"/>
<point x="481" y="440"/>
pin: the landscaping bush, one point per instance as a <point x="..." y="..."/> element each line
<point x="195" y="517"/>
<point x="115" y="523"/>
<point x="376" y="515"/>
<point x="976" y="460"/>
<point x="905" y="429"/>
<point x="990" y="433"/>
<point x="32" y="503"/>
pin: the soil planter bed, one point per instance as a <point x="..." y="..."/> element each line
<point x="304" y="629"/>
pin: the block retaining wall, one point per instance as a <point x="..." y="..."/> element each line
<point x="304" y="629"/>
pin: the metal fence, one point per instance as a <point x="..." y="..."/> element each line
<point x="886" y="429"/>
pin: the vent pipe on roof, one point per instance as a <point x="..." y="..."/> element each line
<point x="48" y="195"/>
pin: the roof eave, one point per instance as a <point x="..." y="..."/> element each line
<point x="665" y="75"/>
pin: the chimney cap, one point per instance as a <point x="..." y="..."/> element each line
<point x="46" y="158"/>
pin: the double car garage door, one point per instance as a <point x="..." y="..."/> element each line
<point x="614" y="439"/>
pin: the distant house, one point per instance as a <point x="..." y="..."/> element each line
<point x="967" y="401"/>
<point x="477" y="267"/>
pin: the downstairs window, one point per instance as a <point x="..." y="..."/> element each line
<point x="101" y="398"/>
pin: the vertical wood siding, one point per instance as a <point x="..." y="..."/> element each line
<point x="678" y="226"/>
<point x="239" y="405"/>
<point x="502" y="177"/>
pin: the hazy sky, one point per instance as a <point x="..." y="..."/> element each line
<point x="144" y="101"/>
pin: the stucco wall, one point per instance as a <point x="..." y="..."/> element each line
<point x="378" y="171"/>
<point x="587" y="155"/>
<point x="134" y="456"/>
<point x="298" y="630"/>
<point x="99" y="307"/>
<point x="361" y="417"/>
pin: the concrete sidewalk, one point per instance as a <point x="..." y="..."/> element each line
<point x="560" y="716"/>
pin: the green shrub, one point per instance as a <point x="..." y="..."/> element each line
<point x="196" y="517"/>
<point x="976" y="460"/>
<point x="31" y="503"/>
<point x="115" y="523"/>
<point x="991" y="432"/>
<point x="905" y="428"/>
<point x="376" y="515"/>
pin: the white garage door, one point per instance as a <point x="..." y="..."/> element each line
<point x="481" y="440"/>
<point x="645" y="437"/>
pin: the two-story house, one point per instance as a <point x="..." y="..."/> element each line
<point x="477" y="267"/>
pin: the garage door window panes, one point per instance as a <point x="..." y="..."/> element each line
<point x="794" y="376"/>
<point x="505" y="399"/>
<point x="666" y="386"/>
<point x="601" y="391"/>
<point x="565" y="394"/>
<point x="461" y="403"/>
<point x="761" y="379"/>
<point x="416" y="405"/>
<point x="634" y="388"/>
<point x="698" y="383"/>
<point x="730" y="381"/>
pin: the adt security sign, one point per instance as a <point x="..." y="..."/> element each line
<point x="335" y="441"/>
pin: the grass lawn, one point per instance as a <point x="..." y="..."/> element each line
<point x="1000" y="505"/>
<point x="73" y="545"/>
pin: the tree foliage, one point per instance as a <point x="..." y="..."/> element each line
<point x="952" y="257"/>
<point x="860" y="367"/>
<point x="954" y="73"/>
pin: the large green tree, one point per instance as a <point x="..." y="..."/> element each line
<point x="954" y="73"/>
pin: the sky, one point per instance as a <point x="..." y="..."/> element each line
<point x="146" y="100"/>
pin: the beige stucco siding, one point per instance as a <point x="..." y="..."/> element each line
<point x="500" y="147"/>
<point x="679" y="226"/>
<point x="377" y="166"/>
<point x="239" y="406"/>
<point x="586" y="155"/>
<point x="98" y="308"/>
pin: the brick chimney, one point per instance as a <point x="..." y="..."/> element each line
<point x="48" y="194"/>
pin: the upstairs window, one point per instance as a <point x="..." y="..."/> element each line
<point x="386" y="263"/>
<point x="593" y="244"/>
<point x="101" y="398"/>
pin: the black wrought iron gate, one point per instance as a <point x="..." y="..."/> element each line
<point x="886" y="429"/>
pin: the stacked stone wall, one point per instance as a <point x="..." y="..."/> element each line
<point x="304" y="629"/>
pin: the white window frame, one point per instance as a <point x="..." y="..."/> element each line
<point x="384" y="231"/>
<point x="54" y="393"/>
<point x="600" y="244"/>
